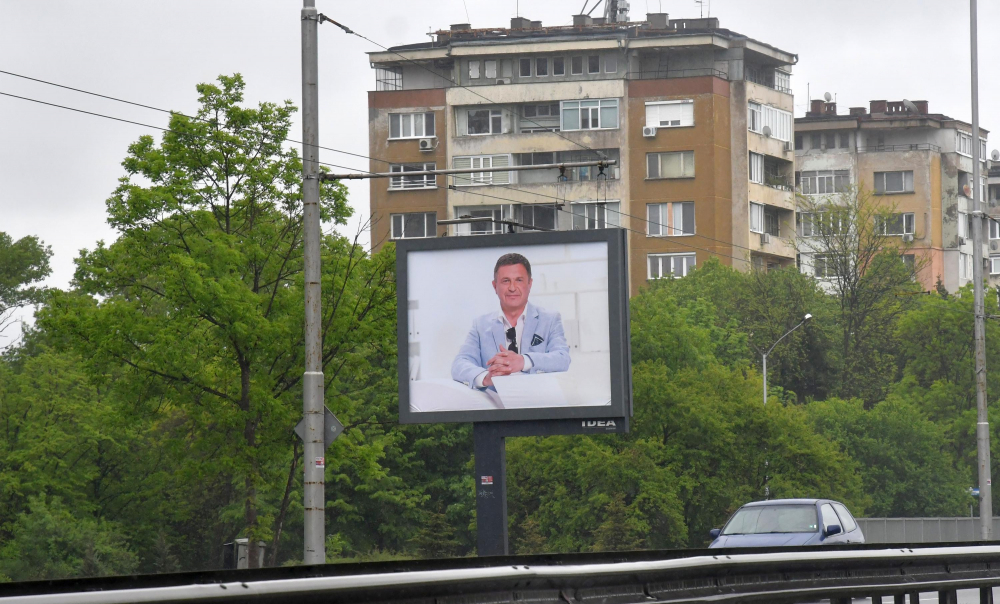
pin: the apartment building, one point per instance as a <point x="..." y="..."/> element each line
<point x="917" y="162"/>
<point x="697" y="117"/>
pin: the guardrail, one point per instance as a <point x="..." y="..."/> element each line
<point x="922" y="530"/>
<point x="786" y="575"/>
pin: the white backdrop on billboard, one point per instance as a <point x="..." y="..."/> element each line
<point x="448" y="290"/>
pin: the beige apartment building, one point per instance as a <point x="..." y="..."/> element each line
<point x="697" y="117"/>
<point x="917" y="162"/>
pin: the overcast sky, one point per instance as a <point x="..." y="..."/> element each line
<point x="57" y="167"/>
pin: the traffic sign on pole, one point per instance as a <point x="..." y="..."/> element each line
<point x="332" y="428"/>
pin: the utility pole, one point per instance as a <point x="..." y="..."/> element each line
<point x="982" y="418"/>
<point x="314" y="462"/>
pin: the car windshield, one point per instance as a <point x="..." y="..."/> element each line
<point x="759" y="519"/>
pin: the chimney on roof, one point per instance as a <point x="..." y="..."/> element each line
<point x="520" y="23"/>
<point x="858" y="111"/>
<point x="878" y="106"/>
<point x="582" y="20"/>
<point x="829" y="108"/>
<point x="657" y="20"/>
<point x="815" y="108"/>
<point x="461" y="27"/>
<point x="921" y="107"/>
<point x="536" y="24"/>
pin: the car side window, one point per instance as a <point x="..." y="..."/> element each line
<point x="829" y="517"/>
<point x="847" y="521"/>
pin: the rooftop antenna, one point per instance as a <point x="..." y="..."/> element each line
<point x="701" y="7"/>
<point x="910" y="106"/>
<point x="995" y="156"/>
<point x="827" y="97"/>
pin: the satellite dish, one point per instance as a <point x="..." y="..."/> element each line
<point x="910" y="106"/>
<point x="766" y="131"/>
<point x="967" y="190"/>
<point x="995" y="156"/>
<point x="827" y="96"/>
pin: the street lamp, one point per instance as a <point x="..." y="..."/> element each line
<point x="801" y="323"/>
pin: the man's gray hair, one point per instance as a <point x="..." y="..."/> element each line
<point x="510" y="260"/>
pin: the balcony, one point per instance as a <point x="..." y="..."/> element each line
<point x="772" y="245"/>
<point x="777" y="195"/>
<point x="892" y="148"/>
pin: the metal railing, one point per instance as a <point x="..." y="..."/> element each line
<point x="664" y="74"/>
<point x="922" y="530"/>
<point x="913" y="147"/>
<point x="769" y="575"/>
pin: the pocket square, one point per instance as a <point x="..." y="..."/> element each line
<point x="536" y="340"/>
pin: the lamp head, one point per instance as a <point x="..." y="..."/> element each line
<point x="807" y="317"/>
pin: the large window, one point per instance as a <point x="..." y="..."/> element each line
<point x="482" y="178"/>
<point x="485" y="121"/>
<point x="594" y="64"/>
<point x="558" y="66"/>
<point x="824" y="266"/>
<point x="995" y="265"/>
<point x="665" y="266"/>
<point x="541" y="216"/>
<point x="670" y="114"/>
<point x="414" y="225"/>
<point x="596" y="215"/>
<point x="425" y="181"/>
<point x="817" y="224"/>
<point x="411" y="125"/>
<point x="590" y="115"/>
<point x="542" y="117"/>
<point x="676" y="164"/>
<point x="963" y="143"/>
<point x="576" y="65"/>
<point x="525" y="68"/>
<point x="670" y="219"/>
<point x="553" y="175"/>
<point x="779" y="121"/>
<point x="541" y="66"/>
<point x="491" y="215"/>
<point x="823" y="182"/>
<point x="896" y="224"/>
<point x="893" y="182"/>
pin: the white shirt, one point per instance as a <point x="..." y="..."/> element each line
<point x="519" y="332"/>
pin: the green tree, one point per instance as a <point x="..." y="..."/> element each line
<point x="201" y="295"/>
<point x="22" y="263"/>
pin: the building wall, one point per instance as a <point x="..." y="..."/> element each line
<point x="709" y="189"/>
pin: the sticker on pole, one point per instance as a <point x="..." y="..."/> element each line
<point x="486" y="480"/>
<point x="332" y="428"/>
<point x="320" y="462"/>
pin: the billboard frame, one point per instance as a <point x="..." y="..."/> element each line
<point x="618" y="323"/>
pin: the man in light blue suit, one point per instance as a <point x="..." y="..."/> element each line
<point x="517" y="338"/>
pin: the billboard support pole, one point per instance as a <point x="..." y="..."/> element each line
<point x="491" y="489"/>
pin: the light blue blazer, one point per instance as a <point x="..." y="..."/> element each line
<point x="543" y="341"/>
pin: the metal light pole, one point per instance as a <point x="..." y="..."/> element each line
<point x="982" y="419"/>
<point x="801" y="323"/>
<point x="314" y="465"/>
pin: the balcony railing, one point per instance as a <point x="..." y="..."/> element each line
<point x="664" y="74"/>
<point x="913" y="147"/>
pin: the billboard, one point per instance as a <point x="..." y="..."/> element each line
<point x="526" y="326"/>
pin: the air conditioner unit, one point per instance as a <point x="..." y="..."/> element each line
<point x="765" y="238"/>
<point x="649" y="131"/>
<point x="503" y="80"/>
<point x="993" y="245"/>
<point x="426" y="144"/>
<point x="908" y="238"/>
<point x="788" y="145"/>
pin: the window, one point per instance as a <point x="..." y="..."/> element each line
<point x="664" y="266"/>
<point x="829" y="517"/>
<point x="964" y="266"/>
<point x="845" y="140"/>
<point x="411" y="125"/>
<point x="982" y="150"/>
<point x="754" y="118"/>
<point x="756" y="217"/>
<point x="893" y="182"/>
<point x="594" y="64"/>
<point x="823" y="182"/>
<point x="995" y="265"/>
<point x="541" y="66"/>
<point x="539" y="118"/>
<point x="964" y="226"/>
<point x="896" y="224"/>
<point x="427" y="181"/>
<point x="610" y="64"/>
<point x="830" y="140"/>
<point x="541" y="216"/>
<point x="772" y="225"/>
<point x="490" y="215"/>
<point x="670" y="219"/>
<point x="415" y="225"/>
<point x="546" y="110"/>
<point x="473" y="70"/>
<point x="824" y="266"/>
<point x="482" y="178"/>
<point x="525" y="68"/>
<point x="491" y="69"/>
<point x="677" y="164"/>
<point x="798" y="142"/>
<point x="963" y="143"/>
<point x="994" y="229"/>
<point x="590" y="115"/>
<point x="782" y="81"/>
<point x="756" y="168"/>
<point x="388" y="78"/>
<point x="484" y="121"/>
<point x="780" y="122"/>
<point x="596" y="215"/>
<point x="816" y="224"/>
<point x="815" y="141"/>
<point x="558" y="66"/>
<point x="576" y="65"/>
<point x="670" y="114"/>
